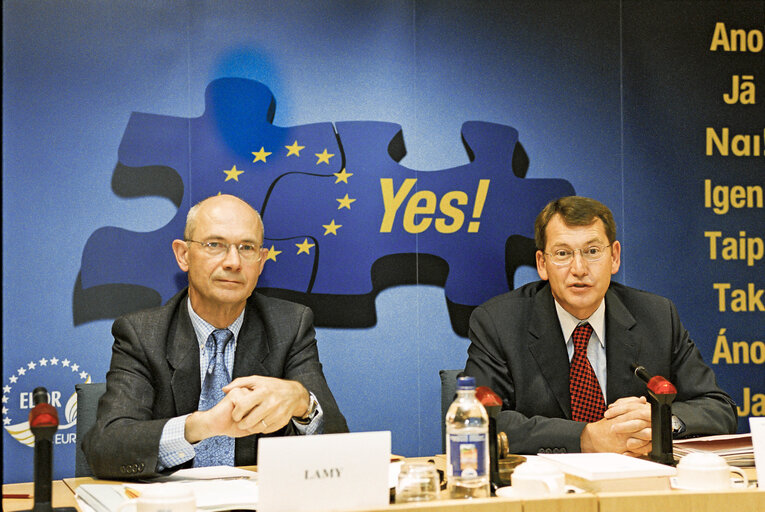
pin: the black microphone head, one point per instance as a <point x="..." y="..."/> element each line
<point x="640" y="372"/>
<point x="40" y="396"/>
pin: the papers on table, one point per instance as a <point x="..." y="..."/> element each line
<point x="208" y="473"/>
<point x="736" y="449"/>
<point x="101" y="497"/>
<point x="215" y="488"/>
<point x="606" y="472"/>
<point x="594" y="466"/>
<point x="757" y="427"/>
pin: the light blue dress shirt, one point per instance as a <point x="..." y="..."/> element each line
<point x="596" y="350"/>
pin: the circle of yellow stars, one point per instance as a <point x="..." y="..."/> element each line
<point x="324" y="157"/>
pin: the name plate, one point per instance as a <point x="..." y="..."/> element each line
<point x="324" y="472"/>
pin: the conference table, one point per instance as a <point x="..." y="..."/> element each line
<point x="738" y="500"/>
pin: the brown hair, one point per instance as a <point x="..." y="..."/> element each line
<point x="576" y="211"/>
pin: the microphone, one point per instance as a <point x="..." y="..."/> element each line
<point x="43" y="421"/>
<point x="661" y="393"/>
<point x="655" y="383"/>
<point x="493" y="404"/>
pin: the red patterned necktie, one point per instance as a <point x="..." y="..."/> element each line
<point x="587" y="402"/>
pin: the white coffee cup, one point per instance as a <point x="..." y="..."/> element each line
<point x="701" y="471"/>
<point x="166" y="497"/>
<point x="538" y="478"/>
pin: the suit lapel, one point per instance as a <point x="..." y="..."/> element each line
<point x="183" y="358"/>
<point x="622" y="348"/>
<point x="548" y="348"/>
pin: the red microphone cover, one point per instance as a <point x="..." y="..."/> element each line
<point x="43" y="415"/>
<point x="487" y="397"/>
<point x="661" y="386"/>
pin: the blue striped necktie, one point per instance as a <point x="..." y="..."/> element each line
<point x="218" y="450"/>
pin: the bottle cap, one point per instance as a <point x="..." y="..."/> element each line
<point x="466" y="383"/>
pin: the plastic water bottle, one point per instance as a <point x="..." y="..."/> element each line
<point x="467" y="444"/>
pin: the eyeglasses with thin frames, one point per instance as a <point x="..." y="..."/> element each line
<point x="247" y="251"/>
<point x="590" y="254"/>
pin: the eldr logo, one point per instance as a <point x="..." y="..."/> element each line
<point x="58" y="376"/>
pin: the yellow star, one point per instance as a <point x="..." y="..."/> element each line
<point x="324" y="157"/>
<point x="342" y="176"/>
<point x="232" y="174"/>
<point x="304" y="247"/>
<point x="345" y="202"/>
<point x="331" y="228"/>
<point x="294" y="149"/>
<point x="260" y="156"/>
<point x="273" y="253"/>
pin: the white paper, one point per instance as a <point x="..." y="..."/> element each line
<point x="736" y="449"/>
<point x="757" y="427"/>
<point x="101" y="497"/>
<point x="207" y="473"/>
<point x="218" y="494"/>
<point x="606" y="466"/>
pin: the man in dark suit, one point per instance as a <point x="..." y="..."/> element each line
<point x="523" y="347"/>
<point x="152" y="417"/>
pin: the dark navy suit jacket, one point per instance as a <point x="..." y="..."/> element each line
<point x="154" y="376"/>
<point x="517" y="349"/>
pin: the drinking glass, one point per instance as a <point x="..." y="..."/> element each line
<point x="417" y="481"/>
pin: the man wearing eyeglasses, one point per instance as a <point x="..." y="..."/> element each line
<point x="558" y="351"/>
<point x="171" y="401"/>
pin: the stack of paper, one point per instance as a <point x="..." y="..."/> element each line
<point x="215" y="488"/>
<point x="101" y="497"/>
<point x="736" y="449"/>
<point x="606" y="472"/>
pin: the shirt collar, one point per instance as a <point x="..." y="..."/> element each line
<point x="597" y="320"/>
<point x="203" y="329"/>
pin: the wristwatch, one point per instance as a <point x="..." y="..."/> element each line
<point x="311" y="412"/>
<point x="678" y="427"/>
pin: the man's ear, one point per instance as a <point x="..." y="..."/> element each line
<point x="616" y="256"/>
<point x="263" y="257"/>
<point x="181" y="251"/>
<point x="541" y="269"/>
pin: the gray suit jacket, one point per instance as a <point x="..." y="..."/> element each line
<point x="517" y="349"/>
<point x="154" y="376"/>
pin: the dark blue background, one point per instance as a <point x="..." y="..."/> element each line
<point x="613" y="97"/>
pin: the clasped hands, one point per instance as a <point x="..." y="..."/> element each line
<point x="625" y="428"/>
<point x="251" y="405"/>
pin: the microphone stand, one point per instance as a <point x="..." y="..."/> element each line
<point x="661" y="393"/>
<point x="493" y="404"/>
<point x="43" y="421"/>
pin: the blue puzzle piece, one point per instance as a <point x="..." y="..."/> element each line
<point x="343" y="219"/>
<point x="232" y="148"/>
<point x="352" y="229"/>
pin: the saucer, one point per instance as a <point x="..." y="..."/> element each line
<point x="734" y="484"/>
<point x="507" y="492"/>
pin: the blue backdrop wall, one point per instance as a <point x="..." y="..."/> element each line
<point x="399" y="152"/>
